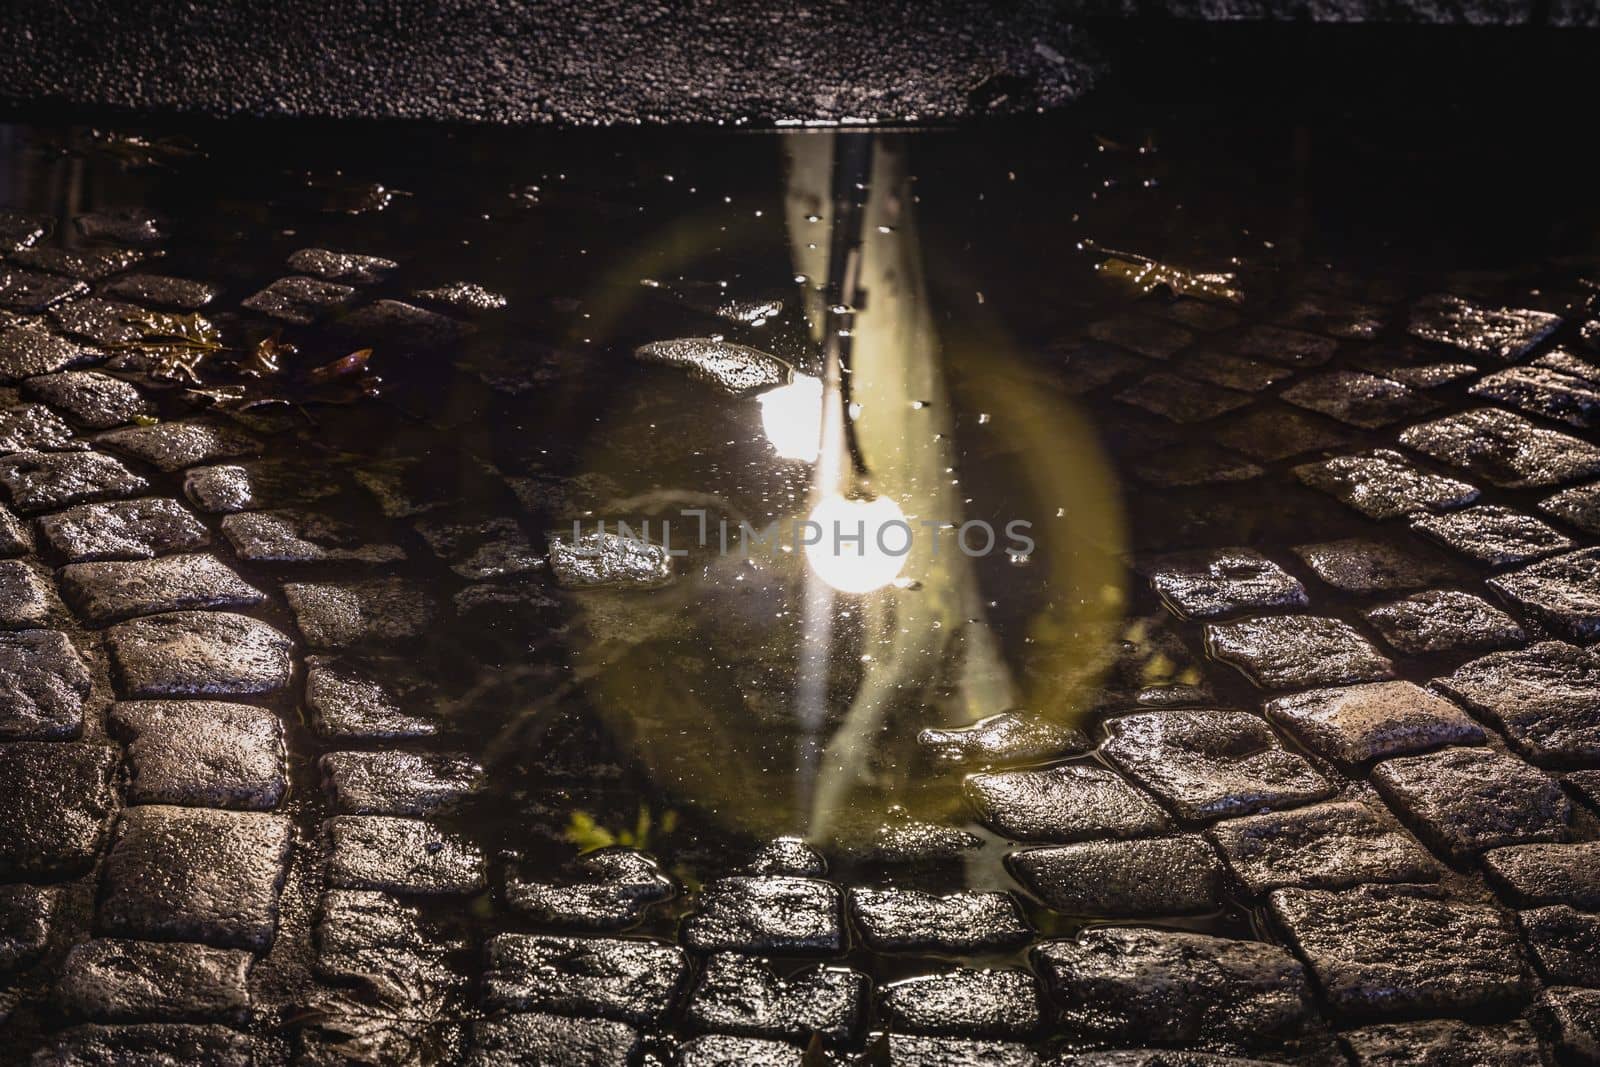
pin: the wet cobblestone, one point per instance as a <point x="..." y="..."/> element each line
<point x="258" y="806"/>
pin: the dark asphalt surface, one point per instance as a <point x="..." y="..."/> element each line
<point x="579" y="63"/>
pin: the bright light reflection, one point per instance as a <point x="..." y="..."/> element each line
<point x="863" y="545"/>
<point x="791" y="415"/>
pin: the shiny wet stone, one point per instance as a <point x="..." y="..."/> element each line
<point x="195" y="874"/>
<point x="1211" y="764"/>
<point x="537" y="1039"/>
<point x="172" y="446"/>
<point x="629" y="981"/>
<point x="134" y="981"/>
<point x="347" y="701"/>
<point x="163" y="291"/>
<point x="1358" y="399"/>
<point x="787" y="855"/>
<point x="1269" y="434"/>
<point x="1122" y="879"/>
<point x="1070" y="803"/>
<point x="1564" y="942"/>
<point x="1497" y="332"/>
<point x="743" y="995"/>
<point x="1393" y="952"/>
<point x="122" y="530"/>
<point x="27" y="351"/>
<point x="1383" y="484"/>
<point x="468" y="298"/>
<point x="158" y="1044"/>
<point x="55" y="802"/>
<point x="1212" y="584"/>
<point x="1009" y="737"/>
<point x="1297" y="651"/>
<point x="85" y="264"/>
<point x="1493" y="535"/>
<point x="491" y="548"/>
<point x="1563" y="591"/>
<point x="608" y="889"/>
<point x="397" y="783"/>
<point x="34" y="428"/>
<point x="1444" y="1043"/>
<point x="1143" y="334"/>
<point x="910" y="920"/>
<point x="913" y="1050"/>
<point x="1579" y="507"/>
<point x="27" y="915"/>
<point x="1558" y="386"/>
<point x="111" y="591"/>
<point x="1542" y="697"/>
<point x="604" y="560"/>
<point x="382" y="944"/>
<point x="295" y="536"/>
<point x="29" y="292"/>
<point x="905" y="841"/>
<point x="1145" y="986"/>
<point x="45" y="481"/>
<point x="1534" y="875"/>
<point x="407" y="856"/>
<point x="1353" y="725"/>
<point x="964" y="1002"/>
<point x="198" y="653"/>
<point x="1182" y="400"/>
<point x="1444" y="620"/>
<point x="1093" y="365"/>
<point x="14" y="537"/>
<point x="1575" y="1014"/>
<point x="251" y="486"/>
<point x="103" y="322"/>
<point x="1505" y="449"/>
<point x="91" y="399"/>
<point x="769" y="913"/>
<point x="727" y="1050"/>
<point x="348" y="267"/>
<point x="26" y="601"/>
<point x="1463" y="801"/>
<point x="202" y="753"/>
<point x="1325" y="846"/>
<point x="299" y="300"/>
<point x="1364" y="566"/>
<point x="1420" y="375"/>
<point x="341" y="614"/>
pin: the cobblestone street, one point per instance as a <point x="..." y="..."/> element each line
<point x="1333" y="799"/>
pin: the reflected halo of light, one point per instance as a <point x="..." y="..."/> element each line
<point x="791" y="417"/>
<point x="852" y="566"/>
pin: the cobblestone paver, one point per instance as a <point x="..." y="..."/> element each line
<point x="256" y="802"/>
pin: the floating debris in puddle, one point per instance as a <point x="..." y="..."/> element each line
<point x="129" y="228"/>
<point x="355" y="198"/>
<point x="1147" y="275"/>
<point x="174" y="345"/>
<point x="737" y="370"/>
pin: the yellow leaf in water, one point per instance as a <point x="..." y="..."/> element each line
<point x="1146" y="275"/>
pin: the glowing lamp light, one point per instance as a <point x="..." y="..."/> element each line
<point x="791" y="415"/>
<point x="857" y="546"/>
